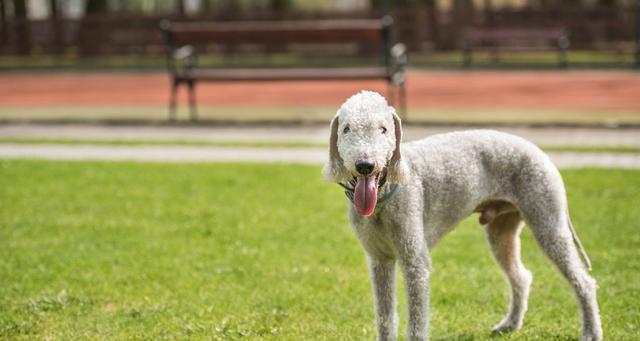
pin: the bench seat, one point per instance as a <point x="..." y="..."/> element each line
<point x="273" y="74"/>
<point x="498" y="40"/>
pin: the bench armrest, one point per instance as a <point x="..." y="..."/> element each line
<point x="182" y="60"/>
<point x="398" y="63"/>
<point x="179" y="59"/>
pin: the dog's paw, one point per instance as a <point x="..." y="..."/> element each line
<point x="592" y="333"/>
<point x="505" y="326"/>
<point x="590" y="337"/>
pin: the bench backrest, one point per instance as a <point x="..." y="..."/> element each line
<point x="515" y="35"/>
<point x="276" y="31"/>
<point x="374" y="32"/>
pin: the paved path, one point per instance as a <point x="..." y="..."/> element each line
<point x="309" y="134"/>
<point x="161" y="153"/>
<point x="302" y="133"/>
<point x="284" y="155"/>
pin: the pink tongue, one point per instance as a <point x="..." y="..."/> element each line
<point x="366" y="195"/>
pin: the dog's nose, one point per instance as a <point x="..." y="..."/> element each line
<point x="364" y="167"/>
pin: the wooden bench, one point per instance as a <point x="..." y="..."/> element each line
<point x="181" y="39"/>
<point x="516" y="39"/>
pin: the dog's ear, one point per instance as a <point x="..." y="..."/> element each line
<point x="398" y="169"/>
<point x="333" y="170"/>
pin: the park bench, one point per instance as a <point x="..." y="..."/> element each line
<point x="497" y="40"/>
<point x="182" y="39"/>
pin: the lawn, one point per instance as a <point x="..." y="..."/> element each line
<point x="92" y="250"/>
<point x="534" y="60"/>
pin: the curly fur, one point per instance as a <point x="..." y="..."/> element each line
<point x="443" y="179"/>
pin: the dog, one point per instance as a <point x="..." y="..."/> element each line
<point x="404" y="197"/>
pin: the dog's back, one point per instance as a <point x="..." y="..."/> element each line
<point x="477" y="165"/>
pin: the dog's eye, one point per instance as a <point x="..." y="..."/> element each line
<point x="346" y="129"/>
<point x="383" y="130"/>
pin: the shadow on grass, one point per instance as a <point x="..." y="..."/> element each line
<point x="504" y="336"/>
<point x="461" y="337"/>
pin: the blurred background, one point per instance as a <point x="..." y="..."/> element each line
<point x="118" y="33"/>
<point x="469" y="62"/>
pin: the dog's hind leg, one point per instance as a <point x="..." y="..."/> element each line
<point x="554" y="236"/>
<point x="503" y="234"/>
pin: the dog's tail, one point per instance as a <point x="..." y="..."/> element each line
<point x="578" y="244"/>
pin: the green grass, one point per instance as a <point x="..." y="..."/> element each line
<point x="159" y="62"/>
<point x="129" y="251"/>
<point x="265" y="144"/>
<point x="620" y="56"/>
<point x="623" y="57"/>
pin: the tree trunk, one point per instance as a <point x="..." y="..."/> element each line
<point x="230" y="9"/>
<point x="433" y="21"/>
<point x="279" y="5"/>
<point x="462" y="20"/>
<point x="488" y="13"/>
<point x="58" y="44"/>
<point x="91" y="35"/>
<point x="96" y="6"/>
<point x="207" y="6"/>
<point x="278" y="9"/>
<point x="181" y="11"/>
<point x="376" y="4"/>
<point x="22" y="27"/>
<point x="3" y="24"/>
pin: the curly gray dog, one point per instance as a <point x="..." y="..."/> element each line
<point x="406" y="197"/>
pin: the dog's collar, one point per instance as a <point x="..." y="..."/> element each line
<point x="392" y="190"/>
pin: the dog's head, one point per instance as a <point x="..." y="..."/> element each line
<point x="364" y="148"/>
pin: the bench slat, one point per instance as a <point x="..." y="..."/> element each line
<point x="512" y="48"/>
<point x="515" y="34"/>
<point x="278" y="31"/>
<point x="498" y="40"/>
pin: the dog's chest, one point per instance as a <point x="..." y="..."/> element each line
<point x="375" y="234"/>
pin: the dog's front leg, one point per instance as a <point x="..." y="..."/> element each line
<point x="384" y="292"/>
<point x="416" y="266"/>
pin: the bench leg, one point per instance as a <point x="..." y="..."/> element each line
<point x="467" y="57"/>
<point x="397" y="97"/>
<point x="173" y="100"/>
<point x="403" y="100"/>
<point x="391" y="93"/>
<point x="495" y="56"/>
<point x="562" y="59"/>
<point x="192" y="100"/>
